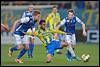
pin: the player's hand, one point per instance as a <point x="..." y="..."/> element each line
<point x="24" y="33"/>
<point x="84" y="33"/>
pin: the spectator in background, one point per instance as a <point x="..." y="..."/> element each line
<point x="18" y="3"/>
<point x="88" y="5"/>
<point x="94" y="4"/>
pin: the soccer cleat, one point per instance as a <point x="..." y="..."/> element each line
<point x="18" y="61"/>
<point x="58" y="52"/>
<point x="30" y="56"/>
<point x="48" y="61"/>
<point x="10" y="52"/>
<point x="69" y="57"/>
<point x="77" y="58"/>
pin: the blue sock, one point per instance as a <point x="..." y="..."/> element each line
<point x="69" y="54"/>
<point x="22" y="52"/>
<point x="31" y="47"/>
<point x="14" y="48"/>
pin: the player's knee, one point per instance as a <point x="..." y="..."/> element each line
<point x="69" y="44"/>
<point x="64" y="44"/>
<point x="20" y="46"/>
<point x="26" y="46"/>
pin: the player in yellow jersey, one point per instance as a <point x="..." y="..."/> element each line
<point x="52" y="20"/>
<point x="49" y="41"/>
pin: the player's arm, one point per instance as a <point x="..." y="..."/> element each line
<point x="83" y="26"/>
<point x="61" y="23"/>
<point x="14" y="25"/>
<point x="22" y="20"/>
<point x="40" y="37"/>
<point x="3" y="26"/>
<point x="36" y="34"/>
<point x="58" y="32"/>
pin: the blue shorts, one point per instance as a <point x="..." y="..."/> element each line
<point x="53" y="46"/>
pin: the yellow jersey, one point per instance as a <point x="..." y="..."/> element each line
<point x="45" y="36"/>
<point x="53" y="19"/>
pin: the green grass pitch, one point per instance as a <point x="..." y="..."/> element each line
<point x="39" y="56"/>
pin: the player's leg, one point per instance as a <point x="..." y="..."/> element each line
<point x="74" y="45"/>
<point x="50" y="52"/>
<point x="70" y="53"/>
<point x="73" y="41"/>
<point x="25" y="48"/>
<point x="31" y="47"/>
<point x="16" y="47"/>
<point x="58" y="51"/>
<point x="22" y="52"/>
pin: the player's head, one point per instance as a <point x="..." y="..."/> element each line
<point x="36" y="15"/>
<point x="70" y="13"/>
<point x="42" y="24"/>
<point x="30" y="8"/>
<point x="54" y="9"/>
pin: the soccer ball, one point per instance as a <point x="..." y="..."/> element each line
<point x="85" y="57"/>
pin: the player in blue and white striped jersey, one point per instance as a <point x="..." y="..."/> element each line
<point x="23" y="40"/>
<point x="69" y="23"/>
<point x="28" y="13"/>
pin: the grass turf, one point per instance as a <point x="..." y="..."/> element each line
<point x="39" y="56"/>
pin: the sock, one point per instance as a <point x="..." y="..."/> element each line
<point x="30" y="51"/>
<point x="69" y="54"/>
<point x="14" y="48"/>
<point x="22" y="52"/>
<point x="71" y="51"/>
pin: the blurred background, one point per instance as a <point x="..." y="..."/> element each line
<point x="87" y="11"/>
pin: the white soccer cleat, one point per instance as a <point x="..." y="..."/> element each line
<point x="10" y="52"/>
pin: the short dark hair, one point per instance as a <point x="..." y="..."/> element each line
<point x="54" y="6"/>
<point x="41" y="22"/>
<point x="36" y="12"/>
<point x="71" y="10"/>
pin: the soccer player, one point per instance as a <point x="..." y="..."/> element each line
<point x="49" y="41"/>
<point x="31" y="38"/>
<point x="22" y="40"/>
<point x="69" y="23"/>
<point x="52" y="20"/>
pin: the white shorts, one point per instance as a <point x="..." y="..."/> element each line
<point x="70" y="39"/>
<point x="21" y="39"/>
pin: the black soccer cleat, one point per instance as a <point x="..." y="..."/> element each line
<point x="59" y="52"/>
<point x="48" y="61"/>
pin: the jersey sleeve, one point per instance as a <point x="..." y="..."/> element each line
<point x="24" y="20"/>
<point x="62" y="22"/>
<point x="32" y="33"/>
<point x="78" y="20"/>
<point x="57" y="31"/>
